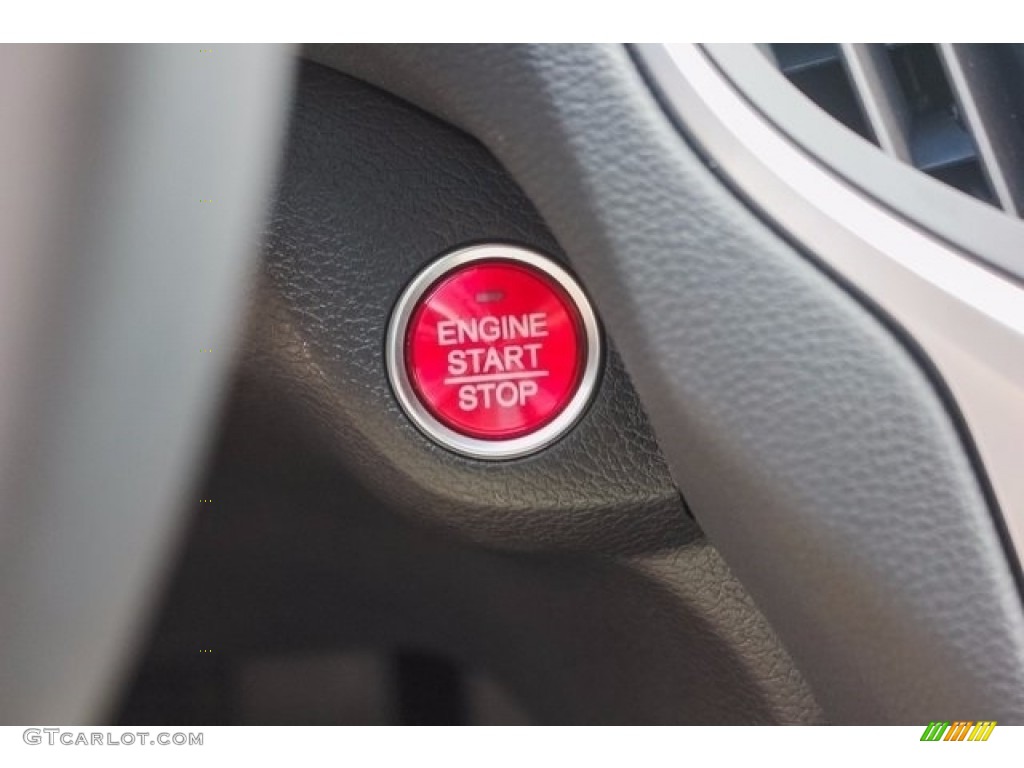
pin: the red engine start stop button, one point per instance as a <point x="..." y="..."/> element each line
<point x="493" y="351"/>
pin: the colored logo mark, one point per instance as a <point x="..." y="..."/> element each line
<point x="960" y="730"/>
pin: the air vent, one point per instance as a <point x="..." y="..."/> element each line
<point x="955" y="112"/>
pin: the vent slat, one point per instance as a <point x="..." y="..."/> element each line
<point x="953" y="111"/>
<point x="938" y="141"/>
<point x="795" y="57"/>
<point x="880" y="97"/>
<point x="990" y="117"/>
<point x="818" y="71"/>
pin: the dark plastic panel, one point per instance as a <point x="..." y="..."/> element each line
<point x="372" y="191"/>
<point x="335" y="524"/>
<point x="808" y="441"/>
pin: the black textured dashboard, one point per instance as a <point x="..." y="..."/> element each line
<point x="810" y="444"/>
<point x="575" y="576"/>
<point x="372" y="191"/>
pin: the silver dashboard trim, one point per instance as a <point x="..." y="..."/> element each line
<point x="968" y="319"/>
<point x="477" y="448"/>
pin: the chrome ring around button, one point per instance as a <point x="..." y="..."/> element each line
<point x="427" y="422"/>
